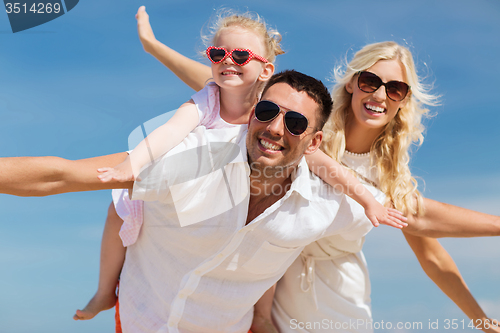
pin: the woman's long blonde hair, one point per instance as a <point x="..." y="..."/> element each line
<point x="390" y="151"/>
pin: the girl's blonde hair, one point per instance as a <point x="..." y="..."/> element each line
<point x="251" y="21"/>
<point x="390" y="151"/>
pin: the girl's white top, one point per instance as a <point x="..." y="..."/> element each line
<point x="207" y="103"/>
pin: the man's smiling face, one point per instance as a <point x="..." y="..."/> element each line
<point x="270" y="144"/>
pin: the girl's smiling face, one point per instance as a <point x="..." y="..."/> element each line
<point x="375" y="110"/>
<point x="229" y="75"/>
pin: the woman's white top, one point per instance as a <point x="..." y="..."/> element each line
<point x="327" y="288"/>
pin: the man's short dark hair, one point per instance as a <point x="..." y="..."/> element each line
<point x="312" y="87"/>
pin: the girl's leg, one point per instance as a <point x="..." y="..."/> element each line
<point x="112" y="258"/>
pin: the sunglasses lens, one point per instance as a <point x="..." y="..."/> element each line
<point x="396" y="90"/>
<point x="265" y="111"/>
<point x="240" y="57"/>
<point x="369" y="82"/>
<point x="216" y="55"/>
<point x="295" y="122"/>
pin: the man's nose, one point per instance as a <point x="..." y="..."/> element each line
<point x="277" y="126"/>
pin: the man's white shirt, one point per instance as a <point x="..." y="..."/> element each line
<point x="196" y="266"/>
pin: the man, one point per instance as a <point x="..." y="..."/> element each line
<point x="190" y="272"/>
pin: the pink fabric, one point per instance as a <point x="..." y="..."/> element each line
<point x="208" y="104"/>
<point x="131" y="211"/>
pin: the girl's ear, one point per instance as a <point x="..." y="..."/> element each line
<point x="267" y="72"/>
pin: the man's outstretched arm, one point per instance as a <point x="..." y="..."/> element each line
<point x="41" y="176"/>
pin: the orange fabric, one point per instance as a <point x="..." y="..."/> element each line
<point x="118" y="324"/>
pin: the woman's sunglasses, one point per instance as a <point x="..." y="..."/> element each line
<point x="239" y="56"/>
<point x="296" y="123"/>
<point x="369" y="82"/>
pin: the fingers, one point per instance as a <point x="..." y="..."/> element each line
<point x="373" y="220"/>
<point x="106" y="177"/>
<point x="107" y="174"/>
<point x="110" y="174"/>
<point x="141" y="12"/>
<point x="393" y="218"/>
<point x="396" y="213"/>
<point x="393" y="222"/>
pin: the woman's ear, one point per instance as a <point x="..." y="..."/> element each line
<point x="402" y="104"/>
<point x="267" y="72"/>
<point x="348" y="86"/>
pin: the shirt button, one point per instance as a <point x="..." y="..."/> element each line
<point x="171" y="324"/>
<point x="220" y="255"/>
<point x="197" y="272"/>
<point x="182" y="296"/>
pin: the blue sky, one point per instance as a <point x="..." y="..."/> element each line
<point x="77" y="86"/>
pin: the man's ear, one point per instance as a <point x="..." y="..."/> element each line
<point x="315" y="143"/>
<point x="252" y="114"/>
<point x="267" y="72"/>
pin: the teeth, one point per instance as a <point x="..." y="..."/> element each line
<point x="269" y="145"/>
<point x="230" y="73"/>
<point x="374" y="108"/>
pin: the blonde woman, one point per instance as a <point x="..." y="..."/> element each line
<point x="378" y="105"/>
<point x="379" y="102"/>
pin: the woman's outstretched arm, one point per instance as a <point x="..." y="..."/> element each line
<point x="440" y="267"/>
<point x="444" y="220"/>
<point x="191" y="72"/>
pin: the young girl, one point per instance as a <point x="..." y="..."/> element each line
<point x="339" y="286"/>
<point x="242" y="55"/>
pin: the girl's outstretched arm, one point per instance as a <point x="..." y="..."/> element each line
<point x="440" y="267"/>
<point x="444" y="220"/>
<point x="262" y="321"/>
<point x="191" y="72"/>
<point x="344" y="181"/>
<point x="160" y="141"/>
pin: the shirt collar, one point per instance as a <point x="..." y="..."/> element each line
<point x="301" y="180"/>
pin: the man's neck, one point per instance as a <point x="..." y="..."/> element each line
<point x="265" y="190"/>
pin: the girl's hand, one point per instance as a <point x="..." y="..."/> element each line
<point x="121" y="173"/>
<point x="378" y="214"/>
<point x="144" y="29"/>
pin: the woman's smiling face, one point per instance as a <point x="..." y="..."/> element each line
<point x="375" y="110"/>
